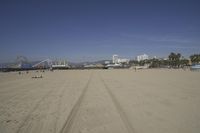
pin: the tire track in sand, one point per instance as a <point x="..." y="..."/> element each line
<point x="59" y="107"/>
<point x="121" y="112"/>
<point x="68" y="123"/>
<point x="27" y="118"/>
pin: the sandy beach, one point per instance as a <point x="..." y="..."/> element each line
<point x="100" y="101"/>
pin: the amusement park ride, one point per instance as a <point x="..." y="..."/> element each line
<point x="58" y="64"/>
<point x="43" y="64"/>
<point x="22" y="63"/>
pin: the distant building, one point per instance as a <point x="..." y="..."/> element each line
<point x="107" y="62"/>
<point x="60" y="64"/>
<point x="117" y="60"/>
<point x="142" y="57"/>
<point x="126" y="61"/>
<point x="165" y="58"/>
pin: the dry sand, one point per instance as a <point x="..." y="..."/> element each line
<point x="100" y="101"/>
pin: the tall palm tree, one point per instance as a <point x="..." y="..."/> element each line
<point x="174" y="59"/>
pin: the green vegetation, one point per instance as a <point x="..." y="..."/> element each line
<point x="195" y="58"/>
<point x="175" y="60"/>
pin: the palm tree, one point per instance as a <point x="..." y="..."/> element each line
<point x="171" y="56"/>
<point x="178" y="55"/>
<point x="174" y="59"/>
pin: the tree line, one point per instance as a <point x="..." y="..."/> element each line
<point x="174" y="60"/>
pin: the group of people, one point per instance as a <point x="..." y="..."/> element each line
<point x="33" y="76"/>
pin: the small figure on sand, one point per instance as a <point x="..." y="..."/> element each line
<point x="35" y="77"/>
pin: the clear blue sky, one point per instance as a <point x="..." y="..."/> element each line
<point x="96" y="29"/>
